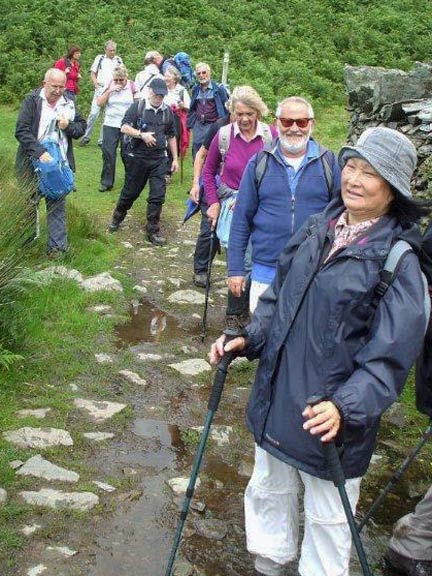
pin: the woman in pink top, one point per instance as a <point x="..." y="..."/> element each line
<point x="247" y="135"/>
<point x="237" y="143"/>
<point x="71" y="67"/>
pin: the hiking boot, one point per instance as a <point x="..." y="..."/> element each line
<point x="117" y="219"/>
<point x="266" y="567"/>
<point x="200" y="280"/>
<point x="84" y="142"/>
<point x="55" y="254"/>
<point x="156" y="239"/>
<point x="236" y="322"/>
<point x="407" y="566"/>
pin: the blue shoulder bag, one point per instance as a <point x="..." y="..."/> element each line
<point x="56" y="178"/>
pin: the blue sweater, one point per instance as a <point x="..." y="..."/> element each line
<point x="273" y="213"/>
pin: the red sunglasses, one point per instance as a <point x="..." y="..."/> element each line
<point x="288" y="122"/>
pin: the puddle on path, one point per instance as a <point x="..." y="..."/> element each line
<point x="151" y="324"/>
<point x="148" y="324"/>
<point x="137" y="540"/>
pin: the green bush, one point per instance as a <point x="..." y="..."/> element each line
<point x="280" y="47"/>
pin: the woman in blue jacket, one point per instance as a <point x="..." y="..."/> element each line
<point x="317" y="332"/>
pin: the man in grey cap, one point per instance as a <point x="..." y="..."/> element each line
<point x="150" y="128"/>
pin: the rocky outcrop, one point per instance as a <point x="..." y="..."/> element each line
<point x="399" y="100"/>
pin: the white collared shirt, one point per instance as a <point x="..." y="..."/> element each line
<point x="258" y="132"/>
<point x="48" y="121"/>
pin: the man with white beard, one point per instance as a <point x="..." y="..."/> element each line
<point x="281" y="187"/>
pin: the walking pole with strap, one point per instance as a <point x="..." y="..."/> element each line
<point x="396" y="477"/>
<point x="213" y="404"/>
<point x="209" y="265"/>
<point x="333" y="461"/>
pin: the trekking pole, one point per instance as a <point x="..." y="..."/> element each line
<point x="180" y="153"/>
<point x="396" y="477"/>
<point x="212" y="406"/>
<point x="209" y="265"/>
<point x="332" y="457"/>
<point x="225" y="66"/>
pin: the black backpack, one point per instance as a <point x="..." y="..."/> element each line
<point x="130" y="143"/>
<point x="423" y="377"/>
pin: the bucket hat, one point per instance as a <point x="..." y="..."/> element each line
<point x="389" y="152"/>
<point x="159" y="87"/>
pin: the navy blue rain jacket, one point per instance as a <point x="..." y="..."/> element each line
<point x="316" y="333"/>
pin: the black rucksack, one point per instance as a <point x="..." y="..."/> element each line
<point x="423" y="377"/>
<point x="130" y="143"/>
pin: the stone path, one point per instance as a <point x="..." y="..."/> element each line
<point x="46" y="471"/>
<point x="120" y="481"/>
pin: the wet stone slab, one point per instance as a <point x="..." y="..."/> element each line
<point x="102" y="358"/>
<point x="28" y="437"/>
<point x="179" y="485"/>
<point x="37" y="570"/>
<point x="63" y="551"/>
<point x="219" y="434"/>
<point x="59" y="500"/>
<point x="38" y="413"/>
<point x="99" y="410"/>
<point x="187" y="297"/>
<point x="211" y="528"/>
<point x="132" y="377"/>
<point x="103" y="281"/>
<point x="41" y="468"/>
<point x="30" y="529"/>
<point x="98" y="436"/>
<point x="191" y="367"/>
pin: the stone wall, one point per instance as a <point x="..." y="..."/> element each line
<point x="396" y="99"/>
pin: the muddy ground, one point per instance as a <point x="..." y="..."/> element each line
<point x="131" y="532"/>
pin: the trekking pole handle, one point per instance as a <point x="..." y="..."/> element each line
<point x="221" y="372"/>
<point x="330" y="449"/>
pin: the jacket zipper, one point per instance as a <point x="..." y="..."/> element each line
<point x="293" y="201"/>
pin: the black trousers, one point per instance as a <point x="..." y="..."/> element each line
<point x="202" y="248"/>
<point x="110" y="140"/>
<point x="137" y="172"/>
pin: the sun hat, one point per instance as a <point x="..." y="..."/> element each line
<point x="159" y="87"/>
<point x="389" y="152"/>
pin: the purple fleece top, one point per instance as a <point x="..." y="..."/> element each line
<point x="236" y="158"/>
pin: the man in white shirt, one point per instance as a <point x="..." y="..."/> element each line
<point x="101" y="73"/>
<point x="47" y="112"/>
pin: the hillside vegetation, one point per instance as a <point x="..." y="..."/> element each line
<point x="279" y="46"/>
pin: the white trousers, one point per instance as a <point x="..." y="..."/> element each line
<point x="272" y="519"/>
<point x="256" y="289"/>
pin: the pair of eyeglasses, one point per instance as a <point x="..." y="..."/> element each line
<point x="288" y="122"/>
<point x="119" y="80"/>
<point x="202" y="73"/>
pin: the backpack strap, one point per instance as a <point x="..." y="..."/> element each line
<point x="99" y="66"/>
<point x="260" y="167"/>
<point x="397" y="252"/>
<point x="224" y="138"/>
<point x="328" y="172"/>
<point x="267" y="135"/>
<point x="387" y="274"/>
<point x="141" y="106"/>
<point x="149" y="79"/>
